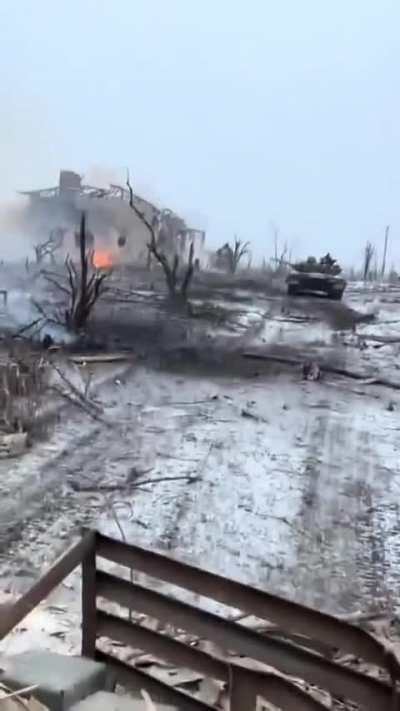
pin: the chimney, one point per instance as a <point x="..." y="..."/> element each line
<point x="70" y="182"/>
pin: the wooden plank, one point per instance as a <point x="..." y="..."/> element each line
<point x="89" y="602"/>
<point x="271" y="687"/>
<point x="284" y="613"/>
<point x="54" y="576"/>
<point x="160" y="646"/>
<point x="280" y="691"/>
<point x="289" y="659"/>
<point x="160" y="692"/>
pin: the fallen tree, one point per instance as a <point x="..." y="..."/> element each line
<point x="325" y="368"/>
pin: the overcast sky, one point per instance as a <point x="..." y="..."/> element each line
<point x="238" y="114"/>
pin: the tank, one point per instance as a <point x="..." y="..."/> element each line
<point x="317" y="284"/>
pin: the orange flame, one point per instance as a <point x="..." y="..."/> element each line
<point x="102" y="259"/>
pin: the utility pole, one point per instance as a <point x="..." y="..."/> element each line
<point x="276" y="245"/>
<point x="385" y="252"/>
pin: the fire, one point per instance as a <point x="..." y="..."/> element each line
<point x="102" y="259"/>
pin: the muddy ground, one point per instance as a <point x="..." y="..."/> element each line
<point x="286" y="484"/>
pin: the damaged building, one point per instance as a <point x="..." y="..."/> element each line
<point x="117" y="234"/>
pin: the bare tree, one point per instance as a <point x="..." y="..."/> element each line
<point x="283" y="255"/>
<point x="280" y="260"/>
<point x="85" y="284"/>
<point x="177" y="288"/>
<point x="229" y="257"/>
<point x="41" y="252"/>
<point x="50" y="246"/>
<point x="236" y="254"/>
<point x="369" y="251"/>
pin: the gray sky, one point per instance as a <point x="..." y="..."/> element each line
<point x="236" y="114"/>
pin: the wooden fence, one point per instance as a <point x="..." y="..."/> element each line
<point x="296" y="650"/>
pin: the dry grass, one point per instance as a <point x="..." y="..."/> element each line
<point x="23" y="383"/>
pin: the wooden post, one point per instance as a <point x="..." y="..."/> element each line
<point x="89" y="600"/>
<point x="241" y="694"/>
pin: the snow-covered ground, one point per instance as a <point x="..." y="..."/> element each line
<point x="296" y="486"/>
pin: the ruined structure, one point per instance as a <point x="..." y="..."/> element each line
<point x="118" y="234"/>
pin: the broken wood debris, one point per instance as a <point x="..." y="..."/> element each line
<point x="251" y="416"/>
<point x="192" y="402"/>
<point x="28" y="327"/>
<point x="191" y="479"/>
<point x="77" y="402"/>
<point x="296" y="319"/>
<point x="78" y="394"/>
<point x="140" y="523"/>
<point x="80" y="399"/>
<point x="99" y="358"/>
<point x="325" y="368"/>
<point x="15" y="701"/>
<point x="165" y="455"/>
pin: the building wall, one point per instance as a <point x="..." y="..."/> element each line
<point x="108" y="218"/>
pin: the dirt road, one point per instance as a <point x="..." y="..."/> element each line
<point x="296" y="484"/>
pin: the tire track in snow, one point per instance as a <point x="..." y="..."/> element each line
<point x="341" y="557"/>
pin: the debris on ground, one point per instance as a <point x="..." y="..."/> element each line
<point x="87" y="358"/>
<point x="17" y="701"/>
<point x="12" y="445"/>
<point x="252" y="416"/>
<point x="311" y="371"/>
